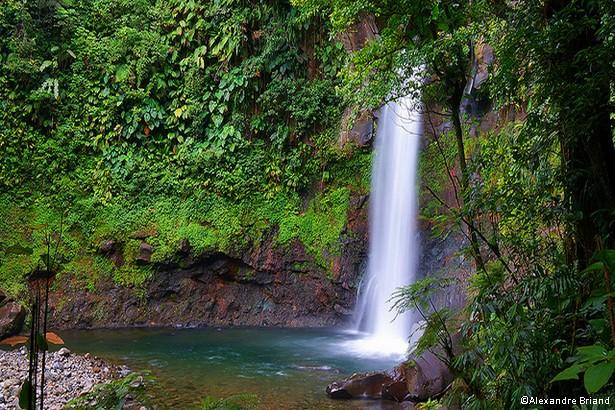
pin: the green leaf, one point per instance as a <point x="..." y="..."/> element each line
<point x="597" y="376"/>
<point x="596" y="266"/>
<point x="571" y="373"/>
<point x="18" y="250"/>
<point x="42" y="342"/>
<point x="592" y="352"/>
<point x="121" y="73"/>
<point x="25" y="395"/>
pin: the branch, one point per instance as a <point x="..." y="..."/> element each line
<point x="470" y="225"/>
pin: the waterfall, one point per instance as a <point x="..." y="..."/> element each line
<point x="393" y="244"/>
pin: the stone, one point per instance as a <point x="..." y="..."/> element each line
<point x="360" y="385"/>
<point x="184" y="246"/>
<point x="12" y="317"/>
<point x="145" y="253"/>
<point x="64" y="352"/>
<point x="107" y="245"/>
<point x="417" y="380"/>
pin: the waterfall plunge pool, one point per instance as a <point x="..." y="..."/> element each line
<point x="285" y="368"/>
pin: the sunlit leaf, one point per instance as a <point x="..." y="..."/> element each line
<point x="14" y="340"/>
<point x="54" y="338"/>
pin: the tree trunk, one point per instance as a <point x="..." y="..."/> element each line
<point x="465" y="185"/>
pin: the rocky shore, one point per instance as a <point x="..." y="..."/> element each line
<point x="68" y="376"/>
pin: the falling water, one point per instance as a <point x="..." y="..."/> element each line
<point x="393" y="246"/>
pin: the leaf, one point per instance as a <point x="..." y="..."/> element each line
<point x="121" y="73"/>
<point x="18" y="250"/>
<point x="594" y="267"/>
<point x="14" y="340"/>
<point x="45" y="64"/>
<point x="25" y="395"/>
<point x="597" y="376"/>
<point x="42" y="342"/>
<point x="592" y="352"/>
<point x="54" y="338"/>
<point x="571" y="373"/>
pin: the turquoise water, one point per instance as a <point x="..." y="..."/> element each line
<point x="285" y="368"/>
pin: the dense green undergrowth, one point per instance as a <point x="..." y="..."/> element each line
<point x="214" y="122"/>
<point x="209" y="224"/>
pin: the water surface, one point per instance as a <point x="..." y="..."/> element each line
<point x="285" y="368"/>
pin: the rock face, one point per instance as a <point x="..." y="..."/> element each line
<point x="359" y="130"/>
<point x="426" y="377"/>
<point x="12" y="316"/>
<point x="265" y="285"/>
<point x="360" y="33"/>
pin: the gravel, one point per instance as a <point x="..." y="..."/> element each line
<point x="67" y="376"/>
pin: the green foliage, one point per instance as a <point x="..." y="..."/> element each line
<point x="114" y="394"/>
<point x="319" y="227"/>
<point x="143" y="97"/>
<point x="537" y="198"/>
<point x="168" y="120"/>
<point x="236" y="402"/>
<point x="437" y="325"/>
<point x="596" y="362"/>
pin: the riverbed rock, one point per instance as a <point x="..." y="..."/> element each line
<point x="416" y="380"/>
<point x="64" y="352"/>
<point x="67" y="377"/>
<point x="372" y="385"/>
<point x="12" y="317"/>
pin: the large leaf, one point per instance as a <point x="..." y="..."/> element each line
<point x="14" y="340"/>
<point x="597" y="376"/>
<point x="592" y="352"/>
<point x="571" y="373"/>
<point x="54" y="338"/>
<point x="25" y="395"/>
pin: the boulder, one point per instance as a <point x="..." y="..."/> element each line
<point x="372" y="385"/>
<point x="12" y="316"/>
<point x="426" y="377"/>
<point x="63" y="352"/>
<point x="417" y="380"/>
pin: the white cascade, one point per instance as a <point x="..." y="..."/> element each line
<point x="393" y="243"/>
